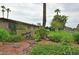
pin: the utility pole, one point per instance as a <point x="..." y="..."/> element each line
<point x="44" y="14"/>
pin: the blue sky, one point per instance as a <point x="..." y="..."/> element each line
<point x="32" y="13"/>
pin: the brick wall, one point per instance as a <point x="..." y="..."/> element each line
<point x="4" y="25"/>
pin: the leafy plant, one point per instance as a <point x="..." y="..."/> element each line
<point x="15" y="38"/>
<point x="36" y="37"/>
<point x="50" y="49"/>
<point x="61" y="36"/>
<point x="54" y="36"/>
<point x="39" y="33"/>
<point x="76" y="37"/>
<point x="67" y="37"/>
<point x="4" y="35"/>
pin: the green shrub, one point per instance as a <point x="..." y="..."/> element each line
<point x="61" y="36"/>
<point x="15" y="38"/>
<point x="67" y="37"/>
<point x="36" y="37"/>
<point x="76" y="37"/>
<point x="39" y="34"/>
<point x="54" y="36"/>
<point x="42" y="32"/>
<point x="50" y="49"/>
<point x="4" y="35"/>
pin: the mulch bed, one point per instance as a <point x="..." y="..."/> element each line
<point x="18" y="48"/>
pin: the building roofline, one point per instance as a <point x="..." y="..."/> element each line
<point x="20" y="22"/>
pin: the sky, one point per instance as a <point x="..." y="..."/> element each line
<point x="32" y="12"/>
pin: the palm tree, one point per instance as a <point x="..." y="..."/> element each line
<point x="3" y="10"/>
<point x="44" y="14"/>
<point x="64" y="20"/>
<point x="57" y="11"/>
<point x="8" y="10"/>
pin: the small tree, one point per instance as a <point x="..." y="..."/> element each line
<point x="56" y="25"/>
<point x="57" y="11"/>
<point x="3" y="10"/>
<point x="64" y="20"/>
<point x="8" y="10"/>
<point x="59" y="21"/>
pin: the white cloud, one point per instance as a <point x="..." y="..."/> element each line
<point x="32" y="13"/>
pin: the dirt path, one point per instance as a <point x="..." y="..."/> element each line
<point x="19" y="48"/>
<point x="24" y="47"/>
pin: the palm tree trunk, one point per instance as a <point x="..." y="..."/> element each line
<point x="44" y="14"/>
<point x="57" y="13"/>
<point x="3" y="14"/>
<point x="7" y="14"/>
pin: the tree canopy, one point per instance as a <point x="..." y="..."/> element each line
<point x="59" y="21"/>
<point x="57" y="11"/>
